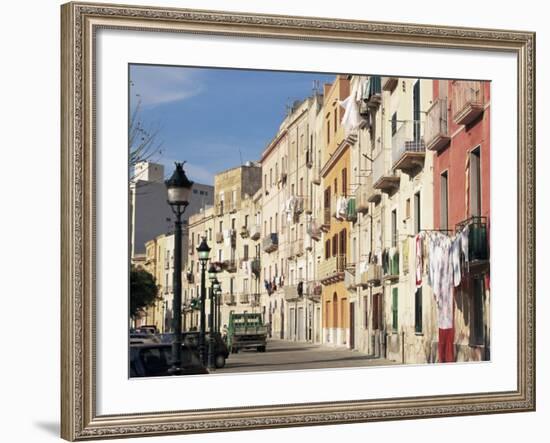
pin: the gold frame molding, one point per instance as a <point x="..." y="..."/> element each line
<point x="80" y="21"/>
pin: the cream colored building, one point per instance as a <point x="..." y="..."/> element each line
<point x="231" y="229"/>
<point x="290" y="203"/>
<point x="393" y="182"/>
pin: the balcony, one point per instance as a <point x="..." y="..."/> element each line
<point x="468" y="101"/>
<point x="219" y="237"/>
<point x="219" y="209"/>
<point x="190" y="277"/>
<point x="372" y="277"/>
<point x="228" y="299"/>
<point x="282" y="178"/>
<point x="313" y="230"/>
<point x="293" y="292"/>
<point x="408" y="148"/>
<point x="362" y="195"/>
<point x="245" y="233"/>
<point x="389" y="83"/>
<point x="299" y="247"/>
<point x="345" y="212"/>
<point x="349" y="279"/>
<point x="314" y="290"/>
<point x="270" y="243"/>
<point x="255" y="266"/>
<point x="229" y="266"/>
<point x="244" y="299"/>
<point x="391" y="270"/>
<point x="308" y="205"/>
<point x="255" y="232"/>
<point x="316" y="175"/>
<point x="332" y="270"/>
<point x="384" y="179"/>
<point x="437" y="126"/>
<point x="478" y="245"/>
<point x="375" y="92"/>
<point x="254" y="300"/>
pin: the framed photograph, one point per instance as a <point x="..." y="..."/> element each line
<point x="275" y="221"/>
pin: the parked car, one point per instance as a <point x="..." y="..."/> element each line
<point x="191" y="339"/>
<point x="147" y="329"/>
<point x="140" y="338"/>
<point x="155" y="360"/>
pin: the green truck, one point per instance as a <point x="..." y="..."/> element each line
<point x="246" y="331"/>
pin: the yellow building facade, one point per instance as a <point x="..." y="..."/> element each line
<point x="335" y="175"/>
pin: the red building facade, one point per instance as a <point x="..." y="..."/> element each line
<point x="458" y="132"/>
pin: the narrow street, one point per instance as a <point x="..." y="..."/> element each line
<point x="288" y="355"/>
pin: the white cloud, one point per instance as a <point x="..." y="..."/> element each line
<point x="158" y="85"/>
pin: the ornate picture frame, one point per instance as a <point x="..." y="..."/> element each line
<point x="80" y="22"/>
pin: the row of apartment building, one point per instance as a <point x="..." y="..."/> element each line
<point x="343" y="232"/>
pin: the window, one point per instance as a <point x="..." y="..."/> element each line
<point x="335" y="120"/>
<point x="231" y="285"/>
<point x="416" y="111"/>
<point x="335" y="245"/>
<point x="394" y="228"/>
<point x="327" y="249"/>
<point x="245" y="286"/>
<point x="418" y="310"/>
<point x="444" y="202"/>
<point x="477" y="333"/>
<point x="408" y="208"/>
<point x="394" y="309"/>
<point x="270" y="177"/>
<point x="417" y="212"/>
<point x="475" y="183"/>
<point x="335" y="186"/>
<point x="276" y="221"/>
<point x="376" y="311"/>
<point x="195" y="191"/>
<point x="221" y="226"/>
<point x="220" y="255"/>
<point x="328" y="129"/>
<point x="233" y="221"/>
<point x="245" y="252"/>
<point x="343" y="242"/>
<point x="246" y="221"/>
<point x="393" y="123"/>
<point x="345" y="181"/>
<point x="366" y="311"/>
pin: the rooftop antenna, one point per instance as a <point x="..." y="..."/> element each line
<point x="241" y="156"/>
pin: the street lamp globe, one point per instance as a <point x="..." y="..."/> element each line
<point x="203" y="250"/>
<point x="179" y="187"/>
<point x="212" y="273"/>
<point x="216" y="285"/>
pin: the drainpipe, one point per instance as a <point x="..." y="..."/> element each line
<point x="402" y="345"/>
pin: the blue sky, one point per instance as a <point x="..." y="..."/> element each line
<point x="211" y="117"/>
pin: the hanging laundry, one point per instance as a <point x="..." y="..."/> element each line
<point x="351" y="119"/>
<point x="455" y="258"/>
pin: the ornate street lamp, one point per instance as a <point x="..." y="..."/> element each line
<point x="203" y="251"/>
<point x="179" y="193"/>
<point x="213" y="283"/>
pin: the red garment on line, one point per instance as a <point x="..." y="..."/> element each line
<point x="445" y="347"/>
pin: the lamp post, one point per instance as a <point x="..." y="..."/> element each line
<point x="203" y="251"/>
<point x="179" y="192"/>
<point x="213" y="285"/>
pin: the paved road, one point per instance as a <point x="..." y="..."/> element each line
<point x="287" y="355"/>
